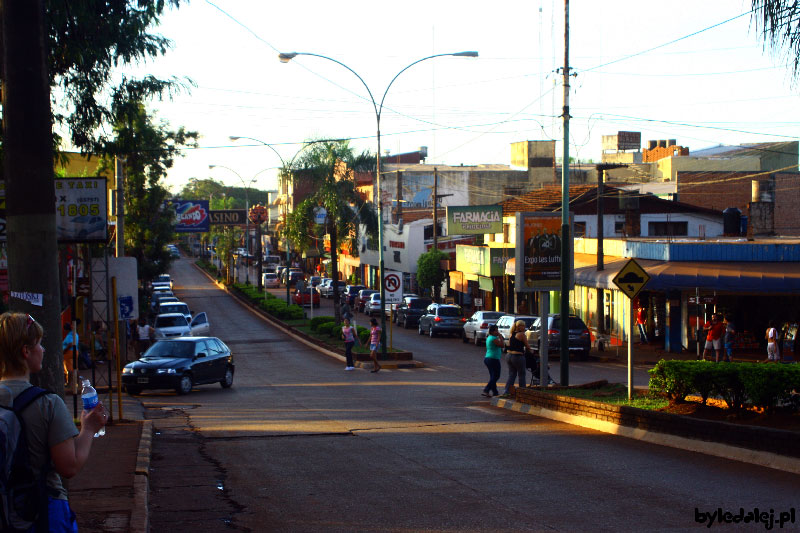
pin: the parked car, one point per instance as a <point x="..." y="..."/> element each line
<point x="314" y="281"/>
<point x="294" y="277"/>
<point x="180" y="364"/>
<point x="351" y="292"/>
<point x="579" y="338"/>
<point x="270" y="280"/>
<point x="161" y="281"/>
<point x="332" y="285"/>
<point x="304" y="298"/>
<point x="279" y="270"/>
<point x="361" y="299"/>
<point x="505" y="322"/>
<point x="476" y="326"/>
<point x="157" y="296"/>
<point x="373" y="306"/>
<point x="394" y="307"/>
<point x="174" y="307"/>
<point x="410" y="309"/>
<point x="441" y="318"/>
<point x="177" y="325"/>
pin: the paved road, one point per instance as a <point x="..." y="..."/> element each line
<point x="300" y="445"/>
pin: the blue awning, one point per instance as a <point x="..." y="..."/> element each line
<point x="783" y="277"/>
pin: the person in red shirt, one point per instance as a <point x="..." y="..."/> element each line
<point x="641" y="321"/>
<point x="715" y="329"/>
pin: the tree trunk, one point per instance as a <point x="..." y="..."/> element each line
<point x="28" y="171"/>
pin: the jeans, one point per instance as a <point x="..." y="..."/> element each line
<point x="642" y="334"/>
<point x="348" y="352"/>
<point x="494" y="374"/>
<point x="516" y="365"/>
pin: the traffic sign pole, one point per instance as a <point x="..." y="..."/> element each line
<point x="630" y="349"/>
<point x="631" y="279"/>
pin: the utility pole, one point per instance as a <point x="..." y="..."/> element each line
<point x="435" y="210"/>
<point x="566" y="248"/>
<point x="119" y="180"/>
<point x="30" y="188"/>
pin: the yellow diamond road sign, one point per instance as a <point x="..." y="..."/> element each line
<point x="631" y="279"/>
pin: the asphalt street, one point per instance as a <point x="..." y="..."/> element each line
<point x="298" y="444"/>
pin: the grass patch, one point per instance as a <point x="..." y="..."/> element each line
<point x="337" y="342"/>
<point x="615" y="394"/>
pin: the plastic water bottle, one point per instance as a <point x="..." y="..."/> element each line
<point x="90" y="400"/>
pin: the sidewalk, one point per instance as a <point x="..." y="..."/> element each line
<point x="652" y="353"/>
<point x="110" y="492"/>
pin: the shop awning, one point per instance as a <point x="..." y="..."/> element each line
<point x="485" y="284"/>
<point x="783" y="277"/>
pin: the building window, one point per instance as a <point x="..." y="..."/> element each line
<point x="668" y="229"/>
<point x="428" y="232"/>
<point x="580" y="229"/>
<point x="396" y="256"/>
<point x="619" y="226"/>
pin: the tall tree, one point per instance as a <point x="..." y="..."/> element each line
<point x="429" y="271"/>
<point x="150" y="149"/>
<point x="779" y="23"/>
<point x="328" y="169"/>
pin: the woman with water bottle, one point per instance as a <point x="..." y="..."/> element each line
<point x="56" y="448"/>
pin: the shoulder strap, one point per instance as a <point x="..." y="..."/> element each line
<point x="27" y="397"/>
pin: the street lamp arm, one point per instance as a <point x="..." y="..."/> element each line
<point x="237" y="137"/>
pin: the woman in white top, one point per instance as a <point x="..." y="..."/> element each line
<point x="773" y="353"/>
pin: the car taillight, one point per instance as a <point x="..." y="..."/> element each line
<point x="484" y="325"/>
<point x="585" y="332"/>
<point x="552" y="332"/>
<point x="437" y="319"/>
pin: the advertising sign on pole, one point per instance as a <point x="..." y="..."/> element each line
<point x="393" y="287"/>
<point x="538" y="252"/>
<point x="81" y="209"/>
<point x="474" y="219"/>
<point x="191" y="216"/>
<point x="228" y="217"/>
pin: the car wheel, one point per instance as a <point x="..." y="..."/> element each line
<point x="475" y="339"/>
<point x="133" y="391"/>
<point x="185" y="384"/>
<point x="464" y="337"/>
<point x="431" y="334"/>
<point x="227" y="380"/>
<point x="419" y="329"/>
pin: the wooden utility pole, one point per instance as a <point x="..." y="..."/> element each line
<point x="28" y="172"/>
<point x="435" y="210"/>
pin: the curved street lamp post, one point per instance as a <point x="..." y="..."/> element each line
<point x="285" y="58"/>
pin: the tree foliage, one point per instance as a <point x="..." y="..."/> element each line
<point x="779" y="23"/>
<point x="429" y="271"/>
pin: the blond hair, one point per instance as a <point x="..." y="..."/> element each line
<point x="17" y="330"/>
<point x="519" y="323"/>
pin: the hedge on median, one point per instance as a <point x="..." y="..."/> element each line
<point x="762" y="385"/>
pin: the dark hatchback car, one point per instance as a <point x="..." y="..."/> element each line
<point x="410" y="309"/>
<point x="351" y="292"/>
<point x="180" y="364"/>
<point x="579" y="337"/>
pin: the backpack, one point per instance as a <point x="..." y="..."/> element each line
<point x="23" y="496"/>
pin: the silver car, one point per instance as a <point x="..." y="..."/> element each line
<point x="477" y="326"/>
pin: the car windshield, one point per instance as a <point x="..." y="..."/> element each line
<point x="175" y="308"/>
<point x="170" y="349"/>
<point x="162" y="278"/>
<point x="449" y="311"/>
<point x="419" y="304"/>
<point x="171" y="321"/>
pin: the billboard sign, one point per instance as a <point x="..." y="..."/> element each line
<point x="538" y="252"/>
<point x="228" y="217"/>
<point x="191" y="216"/>
<point x="81" y="209"/>
<point x="474" y="219"/>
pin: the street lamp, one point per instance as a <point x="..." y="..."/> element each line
<point x="285" y="58"/>
<point x="247" y="214"/>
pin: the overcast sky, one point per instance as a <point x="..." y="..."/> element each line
<point x="638" y="66"/>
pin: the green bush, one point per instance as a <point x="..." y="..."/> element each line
<point x="363" y="335"/>
<point x="336" y="330"/>
<point x="295" y="312"/>
<point x="760" y="385"/>
<point x="325" y="327"/>
<point x="315" y="322"/>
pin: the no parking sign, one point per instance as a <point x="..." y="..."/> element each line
<point x="393" y="287"/>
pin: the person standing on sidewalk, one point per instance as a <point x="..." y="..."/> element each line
<point x="144" y="334"/>
<point x="494" y="350"/>
<point x="714" y="337"/>
<point x="517" y="345"/>
<point x="349" y="336"/>
<point x="56" y="448"/>
<point x="374" y="344"/>
<point x="773" y="354"/>
<point x="641" y="321"/>
<point x="730" y="336"/>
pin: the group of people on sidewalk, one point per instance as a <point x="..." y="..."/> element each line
<point x="519" y="357"/>
<point x="350" y="337"/>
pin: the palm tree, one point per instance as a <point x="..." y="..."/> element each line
<point x="779" y="23"/>
<point x="328" y="170"/>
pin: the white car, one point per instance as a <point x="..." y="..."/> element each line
<point x="477" y="326"/>
<point x="171" y="325"/>
<point x="505" y="322"/>
<point x="270" y="280"/>
<point x="161" y="281"/>
<point x="174" y="307"/>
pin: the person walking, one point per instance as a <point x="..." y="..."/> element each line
<point x="349" y="336"/>
<point x="714" y="337"/>
<point x="56" y="449"/>
<point x="346" y="311"/>
<point x="494" y="350"/>
<point x="517" y="346"/>
<point x="773" y="353"/>
<point x="728" y="338"/>
<point x="374" y="343"/>
<point x="641" y="321"/>
<point x="144" y="334"/>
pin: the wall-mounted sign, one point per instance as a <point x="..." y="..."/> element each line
<point x="538" y="252"/>
<point x="81" y="209"/>
<point x="474" y="219"/>
<point x="191" y="216"/>
<point x="228" y="217"/>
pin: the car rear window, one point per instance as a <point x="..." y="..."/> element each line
<point x="449" y="311"/>
<point x="175" y="308"/>
<point x="491" y="316"/>
<point x="419" y="303"/>
<point x="574" y="323"/>
<point x="171" y="321"/>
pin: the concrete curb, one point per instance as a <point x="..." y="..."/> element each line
<point x="360" y="364"/>
<point x="140" y="520"/>
<point x="769" y="460"/>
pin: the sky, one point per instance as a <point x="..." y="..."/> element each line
<point x="671" y="70"/>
